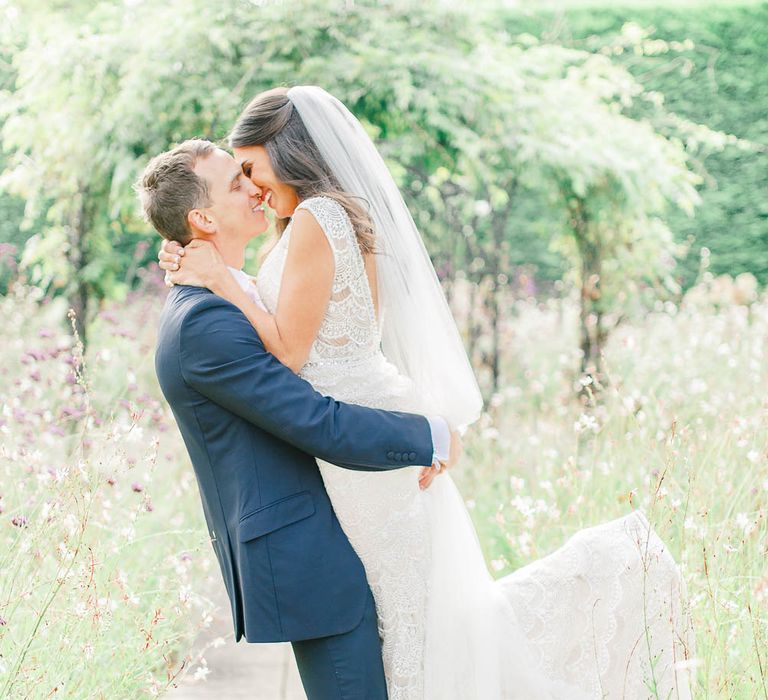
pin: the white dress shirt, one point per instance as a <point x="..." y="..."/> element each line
<point x="248" y="284"/>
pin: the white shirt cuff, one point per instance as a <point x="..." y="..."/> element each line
<point x="441" y="438"/>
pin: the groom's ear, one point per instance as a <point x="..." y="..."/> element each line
<point x="200" y="220"/>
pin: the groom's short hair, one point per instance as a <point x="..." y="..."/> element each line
<point x="169" y="189"/>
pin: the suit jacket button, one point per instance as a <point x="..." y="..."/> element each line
<point x="390" y="455"/>
<point x="398" y="456"/>
<point x="412" y="456"/>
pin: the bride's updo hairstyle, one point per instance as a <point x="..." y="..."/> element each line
<point x="271" y="120"/>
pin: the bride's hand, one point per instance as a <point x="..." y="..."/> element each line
<point x="198" y="264"/>
<point x="169" y="257"/>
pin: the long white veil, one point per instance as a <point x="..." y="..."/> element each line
<point x="419" y="334"/>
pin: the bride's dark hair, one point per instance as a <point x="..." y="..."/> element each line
<point x="270" y="120"/>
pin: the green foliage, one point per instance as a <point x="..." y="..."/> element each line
<point x="12" y="235"/>
<point x="718" y="78"/>
<point x="106" y="100"/>
<point x="543" y="155"/>
<point x="12" y="238"/>
<point x="88" y="105"/>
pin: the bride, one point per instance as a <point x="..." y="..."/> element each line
<point x="354" y="306"/>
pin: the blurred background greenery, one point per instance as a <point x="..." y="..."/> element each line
<point x="611" y="151"/>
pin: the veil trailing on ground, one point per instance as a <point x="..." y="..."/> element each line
<point x="419" y="335"/>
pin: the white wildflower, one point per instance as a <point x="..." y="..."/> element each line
<point x="586" y="422"/>
<point x="200" y="673"/>
<point x="482" y="208"/>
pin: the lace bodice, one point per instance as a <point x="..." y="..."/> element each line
<point x="349" y="330"/>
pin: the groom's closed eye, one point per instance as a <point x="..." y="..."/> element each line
<point x="234" y="183"/>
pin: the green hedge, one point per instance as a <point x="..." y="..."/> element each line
<point x="727" y="90"/>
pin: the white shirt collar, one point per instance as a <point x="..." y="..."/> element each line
<point x="248" y="284"/>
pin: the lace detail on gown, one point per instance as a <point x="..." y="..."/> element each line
<point x="602" y="606"/>
<point x="569" y="626"/>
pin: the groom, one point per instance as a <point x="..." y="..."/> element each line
<point x="253" y="429"/>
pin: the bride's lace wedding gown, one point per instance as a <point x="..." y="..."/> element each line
<point x="599" y="618"/>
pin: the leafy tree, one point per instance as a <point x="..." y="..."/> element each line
<point x="470" y="148"/>
<point x="90" y="103"/>
<point x="547" y="120"/>
<point x="614" y="178"/>
<point x="707" y="65"/>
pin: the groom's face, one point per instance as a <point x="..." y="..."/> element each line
<point x="235" y="209"/>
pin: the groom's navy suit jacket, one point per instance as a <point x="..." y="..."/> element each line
<point x="252" y="428"/>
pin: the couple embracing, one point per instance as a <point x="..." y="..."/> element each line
<point x="319" y="403"/>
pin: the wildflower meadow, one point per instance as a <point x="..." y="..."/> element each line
<point x="101" y="533"/>
<point x="104" y="549"/>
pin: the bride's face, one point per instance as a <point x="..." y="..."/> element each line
<point x="281" y="198"/>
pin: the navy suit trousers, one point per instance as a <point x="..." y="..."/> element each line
<point x="345" y="666"/>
